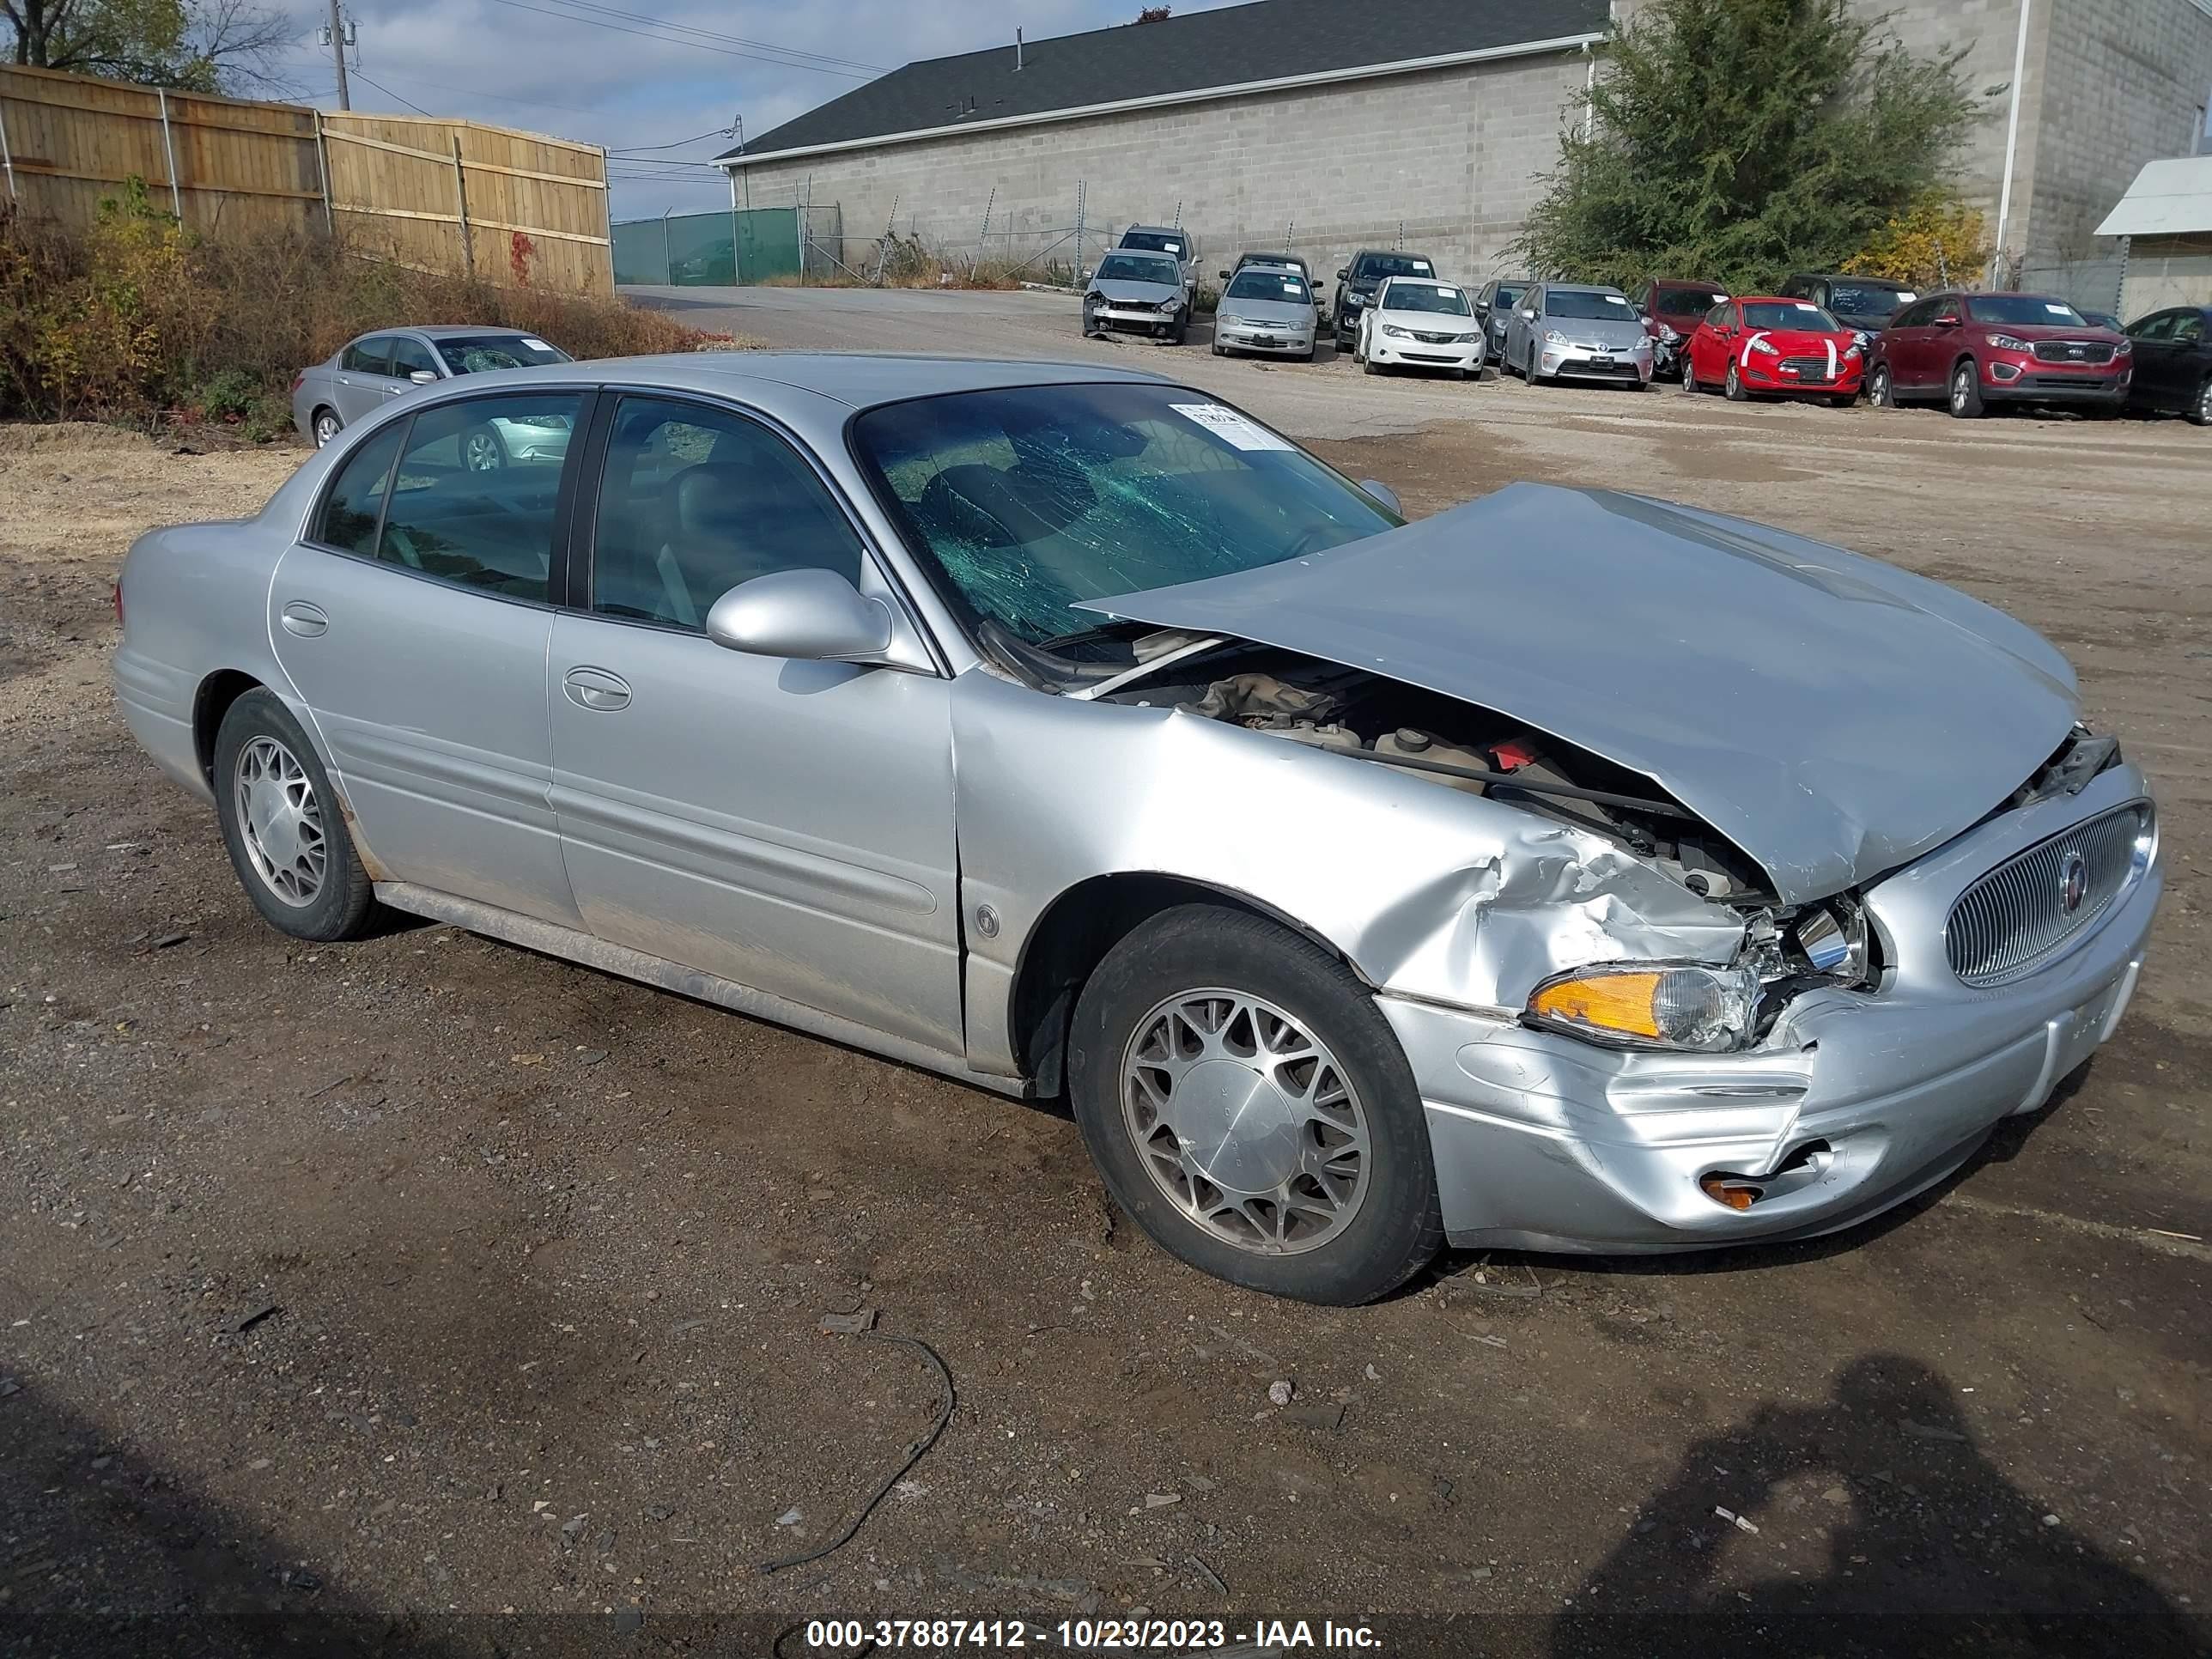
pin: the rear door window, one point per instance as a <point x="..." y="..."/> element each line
<point x="369" y="356"/>
<point x="473" y="499"/>
<point x="350" y="514"/>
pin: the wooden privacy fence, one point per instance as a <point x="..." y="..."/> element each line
<point x="513" y="208"/>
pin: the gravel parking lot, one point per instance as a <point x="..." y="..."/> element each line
<point x="428" y="1295"/>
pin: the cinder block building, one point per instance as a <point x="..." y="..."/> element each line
<point x="1331" y="126"/>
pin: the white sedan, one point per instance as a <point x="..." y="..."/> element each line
<point x="1416" y="322"/>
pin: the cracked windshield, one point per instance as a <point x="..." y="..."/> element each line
<point x="1032" y="500"/>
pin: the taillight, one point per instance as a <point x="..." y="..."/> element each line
<point x="299" y="378"/>
<point x="119" y="601"/>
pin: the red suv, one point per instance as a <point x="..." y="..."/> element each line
<point x="1975" y="349"/>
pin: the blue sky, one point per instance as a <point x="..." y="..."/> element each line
<point x="638" y="75"/>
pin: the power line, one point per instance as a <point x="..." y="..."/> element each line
<point x="359" y="74"/>
<point x="711" y="132"/>
<point x="696" y="46"/>
<point x="718" y="34"/>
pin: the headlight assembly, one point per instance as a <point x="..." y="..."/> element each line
<point x="1652" y="1005"/>
<point x="1553" y="336"/>
<point x="2009" y="342"/>
<point x="1396" y="332"/>
<point x="1761" y="344"/>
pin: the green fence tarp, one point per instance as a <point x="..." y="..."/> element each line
<point x="708" y="250"/>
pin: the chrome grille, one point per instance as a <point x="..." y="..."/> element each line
<point x="1808" y="368"/>
<point x="2073" y="351"/>
<point x="2016" y="918"/>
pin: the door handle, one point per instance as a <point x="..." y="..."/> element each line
<point x="304" y="619"/>
<point x="595" y="688"/>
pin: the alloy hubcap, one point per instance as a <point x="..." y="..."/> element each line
<point x="481" y="452"/>
<point x="281" y="822"/>
<point x="1245" y="1121"/>
<point x="1962" y="388"/>
<point x="325" y="430"/>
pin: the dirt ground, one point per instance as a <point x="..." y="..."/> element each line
<point x="428" y="1296"/>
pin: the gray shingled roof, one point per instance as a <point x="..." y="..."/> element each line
<point x="1267" y="40"/>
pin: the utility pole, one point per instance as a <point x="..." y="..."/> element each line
<point x="338" y="53"/>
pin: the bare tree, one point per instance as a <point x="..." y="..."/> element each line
<point x="198" y="45"/>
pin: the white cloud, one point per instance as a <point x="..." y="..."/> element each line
<point x="497" y="63"/>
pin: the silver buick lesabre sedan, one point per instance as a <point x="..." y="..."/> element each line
<point x="1568" y="870"/>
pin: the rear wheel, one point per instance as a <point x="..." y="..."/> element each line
<point x="326" y="427"/>
<point x="2200" y="412"/>
<point x="283" y="826"/>
<point x="1247" y="1104"/>
<point x="1966" y="392"/>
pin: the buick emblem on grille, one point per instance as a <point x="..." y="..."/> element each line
<point x="2072" y="882"/>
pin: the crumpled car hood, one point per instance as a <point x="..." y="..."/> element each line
<point x="1119" y="290"/>
<point x="1833" y="716"/>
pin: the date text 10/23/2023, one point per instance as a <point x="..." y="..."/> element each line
<point x="1258" y="1639"/>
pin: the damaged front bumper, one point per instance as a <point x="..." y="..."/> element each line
<point x="1854" y="1103"/>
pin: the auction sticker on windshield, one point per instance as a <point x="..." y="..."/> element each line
<point x="1231" y="427"/>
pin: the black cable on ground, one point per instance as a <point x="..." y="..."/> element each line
<point x="913" y="1456"/>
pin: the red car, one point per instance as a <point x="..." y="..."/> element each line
<point x="1975" y="349"/>
<point x="1761" y="346"/>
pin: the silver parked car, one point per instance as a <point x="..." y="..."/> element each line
<point x="1578" y="331"/>
<point x="368" y="372"/>
<point x="1568" y="870"/>
<point x="1266" y="308"/>
<point x="1137" y="292"/>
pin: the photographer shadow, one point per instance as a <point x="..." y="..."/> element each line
<point x="1931" y="1550"/>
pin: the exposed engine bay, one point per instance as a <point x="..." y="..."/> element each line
<point x="1458" y="745"/>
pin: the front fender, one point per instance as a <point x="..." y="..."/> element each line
<point x="1425" y="890"/>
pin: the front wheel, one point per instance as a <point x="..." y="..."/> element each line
<point x="1881" y="390"/>
<point x="1734" y="386"/>
<point x="482" y="450"/>
<point x="1966" y="392"/>
<point x="1250" y="1108"/>
<point x="284" y="825"/>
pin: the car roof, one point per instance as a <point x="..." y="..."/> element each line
<point x="451" y="330"/>
<point x="1581" y="287"/>
<point x="1161" y="230"/>
<point x="1689" y="282"/>
<point x="861" y="380"/>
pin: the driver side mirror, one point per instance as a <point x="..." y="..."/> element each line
<point x="1527" y="316"/>
<point x="1383" y="492"/>
<point x="1342" y="272"/>
<point x="423" y="377"/>
<point x="814" y="616"/>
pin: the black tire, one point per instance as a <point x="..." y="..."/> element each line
<point x="1964" y="395"/>
<point x="1881" y="390"/>
<point x="1397" y="1226"/>
<point x="2200" y="412"/>
<point x="1219" y="349"/>
<point x="1733" y="386"/>
<point x="1307" y="357"/>
<point x="1370" y="366"/>
<point x="344" y="906"/>
<point x="323" y="425"/>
